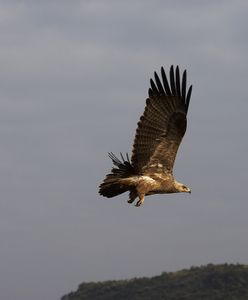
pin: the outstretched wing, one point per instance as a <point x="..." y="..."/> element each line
<point x="163" y="124"/>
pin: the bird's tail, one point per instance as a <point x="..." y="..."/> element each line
<point x="114" y="184"/>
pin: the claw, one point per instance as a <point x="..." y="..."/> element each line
<point x="132" y="196"/>
<point x="141" y="200"/>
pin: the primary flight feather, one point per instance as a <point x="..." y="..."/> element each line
<point x="158" y="136"/>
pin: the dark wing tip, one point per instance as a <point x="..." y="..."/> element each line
<point x="184" y="82"/>
<point x="172" y="81"/>
<point x="188" y="98"/>
<point x="159" y="84"/>
<point x="178" y="89"/>
<point x="153" y="87"/>
<point x="165" y="82"/>
<point x="150" y="92"/>
<point x="175" y="87"/>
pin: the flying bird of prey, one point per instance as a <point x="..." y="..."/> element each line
<point x="158" y="136"/>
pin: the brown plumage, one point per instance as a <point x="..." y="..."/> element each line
<point x="158" y="136"/>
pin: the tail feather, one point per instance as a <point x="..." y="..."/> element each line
<point x="112" y="184"/>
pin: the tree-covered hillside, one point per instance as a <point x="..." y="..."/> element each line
<point x="215" y="282"/>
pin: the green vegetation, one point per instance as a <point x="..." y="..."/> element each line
<point x="211" y="282"/>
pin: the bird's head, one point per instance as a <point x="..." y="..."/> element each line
<point x="182" y="188"/>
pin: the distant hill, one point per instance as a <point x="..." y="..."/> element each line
<point x="215" y="282"/>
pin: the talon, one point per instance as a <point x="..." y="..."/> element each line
<point x="138" y="204"/>
<point x="132" y="196"/>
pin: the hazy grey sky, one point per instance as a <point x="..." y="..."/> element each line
<point x="74" y="77"/>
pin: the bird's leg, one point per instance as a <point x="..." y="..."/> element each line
<point x="141" y="200"/>
<point x="132" y="195"/>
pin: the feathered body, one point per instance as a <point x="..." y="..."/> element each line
<point x="158" y="136"/>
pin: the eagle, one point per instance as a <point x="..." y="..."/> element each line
<point x="158" y="135"/>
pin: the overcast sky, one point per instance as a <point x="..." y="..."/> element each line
<point x="74" y="77"/>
